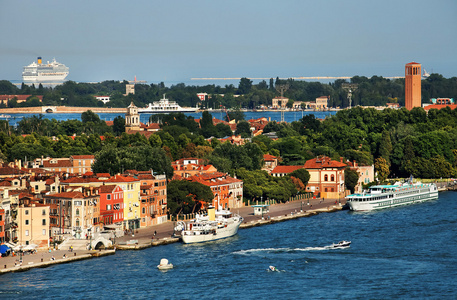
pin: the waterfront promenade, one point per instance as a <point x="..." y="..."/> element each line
<point x="144" y="237"/>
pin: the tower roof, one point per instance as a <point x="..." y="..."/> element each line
<point x="413" y="63"/>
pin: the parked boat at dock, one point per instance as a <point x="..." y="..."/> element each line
<point x="217" y="224"/>
<point x="384" y="196"/>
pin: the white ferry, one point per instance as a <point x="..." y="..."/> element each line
<point x="45" y="72"/>
<point x="165" y="106"/>
<point x="384" y="196"/>
<point x="217" y="224"/>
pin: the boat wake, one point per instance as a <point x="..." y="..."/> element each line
<point x="286" y="250"/>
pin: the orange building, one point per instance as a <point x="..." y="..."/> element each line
<point x="413" y="85"/>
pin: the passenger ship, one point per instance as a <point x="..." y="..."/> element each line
<point x="217" y="224"/>
<point x="384" y="196"/>
<point x="45" y="72"/>
<point x="165" y="106"/>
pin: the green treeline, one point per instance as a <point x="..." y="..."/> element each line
<point x="398" y="143"/>
<point x="374" y="91"/>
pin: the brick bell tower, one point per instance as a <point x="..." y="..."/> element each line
<point x="413" y="85"/>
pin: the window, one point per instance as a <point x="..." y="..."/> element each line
<point x="332" y="178"/>
<point x="26" y="222"/>
<point x="26" y="233"/>
<point x="108" y="197"/>
<point x="43" y="222"/>
<point x="77" y="211"/>
<point x="77" y="222"/>
<point x="43" y="212"/>
<point x="26" y="211"/>
<point x="325" y="177"/>
<point x="43" y="231"/>
<point x="144" y="210"/>
<point x="108" y="207"/>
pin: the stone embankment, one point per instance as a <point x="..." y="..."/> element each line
<point x="43" y="259"/>
<point x="60" y="110"/>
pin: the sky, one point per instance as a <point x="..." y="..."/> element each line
<point x="174" y="41"/>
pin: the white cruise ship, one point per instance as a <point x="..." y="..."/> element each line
<point x="384" y="196"/>
<point x="165" y="106"/>
<point x="45" y="72"/>
<point x="217" y="224"/>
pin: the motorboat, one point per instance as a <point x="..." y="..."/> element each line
<point x="217" y="224"/>
<point x="164" y="264"/>
<point x="273" y="269"/>
<point x="342" y="244"/>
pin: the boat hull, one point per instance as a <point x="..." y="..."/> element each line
<point x="189" y="236"/>
<point x="397" y="200"/>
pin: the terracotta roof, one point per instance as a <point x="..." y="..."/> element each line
<point x="323" y="162"/>
<point x="269" y="157"/>
<point x="59" y="163"/>
<point x="70" y="195"/>
<point x="80" y="180"/>
<point x="106" y="189"/>
<point x="286" y="169"/>
<point x="440" y="106"/>
<point x="11" y="171"/>
<point x="120" y="178"/>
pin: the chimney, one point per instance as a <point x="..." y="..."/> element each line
<point x="355" y="163"/>
<point x="341" y="159"/>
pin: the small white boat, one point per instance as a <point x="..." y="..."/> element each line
<point x="342" y="244"/>
<point x="273" y="269"/>
<point x="164" y="264"/>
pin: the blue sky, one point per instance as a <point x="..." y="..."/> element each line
<point x="176" y="40"/>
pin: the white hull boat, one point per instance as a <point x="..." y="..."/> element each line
<point x="216" y="225"/>
<point x="385" y="196"/>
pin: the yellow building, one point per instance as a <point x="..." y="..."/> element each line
<point x="33" y="225"/>
<point x="131" y="188"/>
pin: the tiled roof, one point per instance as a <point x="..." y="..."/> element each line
<point x="440" y="106"/>
<point x="323" y="162"/>
<point x="70" y="195"/>
<point x="286" y="169"/>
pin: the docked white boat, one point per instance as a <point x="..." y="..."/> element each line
<point x="164" y="106"/>
<point x="384" y="196"/>
<point x="164" y="264"/>
<point x="217" y="224"/>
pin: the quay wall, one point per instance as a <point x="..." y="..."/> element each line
<point x="61" y="110"/>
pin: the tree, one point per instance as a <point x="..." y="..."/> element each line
<point x="186" y="196"/>
<point x="243" y="128"/>
<point x="301" y="174"/>
<point x="89" y="116"/>
<point x="118" y="125"/>
<point x="351" y="178"/>
<point x="382" y="169"/>
<point x="245" y="86"/>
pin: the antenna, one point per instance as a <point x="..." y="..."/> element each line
<point x="350" y="87"/>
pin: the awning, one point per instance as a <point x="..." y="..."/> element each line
<point x="4" y="249"/>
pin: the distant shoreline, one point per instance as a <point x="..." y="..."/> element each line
<point x="75" y="109"/>
<point x="60" y="110"/>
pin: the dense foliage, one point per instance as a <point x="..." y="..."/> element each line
<point x="186" y="197"/>
<point x="375" y="91"/>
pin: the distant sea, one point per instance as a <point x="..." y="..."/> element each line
<point x="406" y="252"/>
<point x="289" y="116"/>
